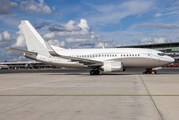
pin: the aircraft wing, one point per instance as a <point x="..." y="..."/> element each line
<point x="22" y="51"/>
<point x="90" y="63"/>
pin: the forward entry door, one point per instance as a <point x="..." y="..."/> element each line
<point x="149" y="55"/>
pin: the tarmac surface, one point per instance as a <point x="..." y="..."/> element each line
<point x="75" y="95"/>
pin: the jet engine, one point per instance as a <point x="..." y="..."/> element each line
<point x="112" y="66"/>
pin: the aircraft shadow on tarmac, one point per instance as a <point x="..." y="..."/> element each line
<point x="86" y="72"/>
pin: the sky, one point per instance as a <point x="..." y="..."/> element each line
<point x="80" y="24"/>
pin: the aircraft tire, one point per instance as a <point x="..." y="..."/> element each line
<point x="97" y="72"/>
<point x="92" y="72"/>
<point x="153" y="72"/>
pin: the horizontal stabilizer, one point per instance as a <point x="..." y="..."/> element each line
<point x="22" y="51"/>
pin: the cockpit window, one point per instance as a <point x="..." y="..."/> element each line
<point x="161" y="54"/>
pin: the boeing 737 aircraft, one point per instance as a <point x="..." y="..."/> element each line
<point x="106" y="59"/>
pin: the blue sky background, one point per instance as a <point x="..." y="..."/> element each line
<point x="88" y="23"/>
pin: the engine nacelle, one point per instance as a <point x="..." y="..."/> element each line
<point x="112" y="66"/>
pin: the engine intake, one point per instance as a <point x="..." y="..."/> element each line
<point x="112" y="66"/>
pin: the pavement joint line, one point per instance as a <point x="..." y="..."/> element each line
<point x="88" y="95"/>
<point x="160" y="114"/>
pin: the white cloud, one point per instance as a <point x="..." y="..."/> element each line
<point x="20" y="41"/>
<point x="1" y="37"/>
<point x="175" y="12"/>
<point x="6" y="6"/>
<point x="70" y="26"/>
<point x="158" y="15"/>
<point x="49" y="36"/>
<point x="100" y="45"/>
<point x="5" y="36"/>
<point x="161" y="26"/>
<point x="80" y="35"/>
<point x="32" y="6"/>
<point x="159" y="40"/>
<point x="72" y="40"/>
<point x="41" y="25"/>
<point x="84" y="25"/>
<point x="114" y="13"/>
<point x="73" y="33"/>
<point x="20" y="58"/>
<point x="56" y="43"/>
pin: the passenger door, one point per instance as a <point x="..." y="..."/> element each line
<point x="149" y="55"/>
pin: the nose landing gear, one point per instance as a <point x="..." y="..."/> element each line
<point x="94" y="72"/>
<point x="149" y="71"/>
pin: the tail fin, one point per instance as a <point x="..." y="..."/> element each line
<point x="35" y="43"/>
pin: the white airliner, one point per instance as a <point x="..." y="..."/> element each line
<point x="4" y="67"/>
<point x="106" y="59"/>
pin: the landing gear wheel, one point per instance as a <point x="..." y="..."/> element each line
<point x="97" y="72"/>
<point x="92" y="72"/>
<point x="154" y="72"/>
<point x="149" y="71"/>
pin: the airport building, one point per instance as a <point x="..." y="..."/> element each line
<point x="26" y="65"/>
<point x="171" y="49"/>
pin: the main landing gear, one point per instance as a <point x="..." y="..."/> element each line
<point x="149" y="71"/>
<point x="94" y="72"/>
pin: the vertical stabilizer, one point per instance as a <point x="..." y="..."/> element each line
<point x="34" y="41"/>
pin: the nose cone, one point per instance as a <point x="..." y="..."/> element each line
<point x="173" y="60"/>
<point x="170" y="59"/>
<point x="165" y="60"/>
